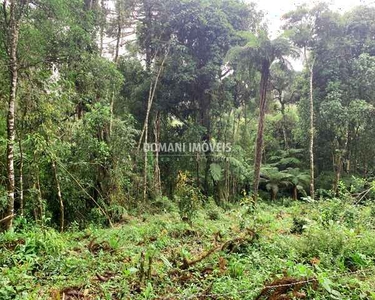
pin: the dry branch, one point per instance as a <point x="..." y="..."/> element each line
<point x="7" y="218"/>
<point x="230" y="245"/>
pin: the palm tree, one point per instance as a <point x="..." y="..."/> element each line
<point x="274" y="179"/>
<point x="258" y="54"/>
<point x="290" y="158"/>
<point x="298" y="179"/>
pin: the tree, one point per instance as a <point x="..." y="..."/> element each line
<point x="298" y="179"/>
<point x="203" y="33"/>
<point x="274" y="179"/>
<point x="302" y="27"/>
<point x="121" y="24"/>
<point x="259" y="53"/>
<point x="282" y="82"/>
<point x="335" y="117"/>
<point x="11" y="27"/>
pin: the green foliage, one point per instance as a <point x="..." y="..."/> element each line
<point x="79" y="117"/>
<point x="188" y="197"/>
<point x="274" y="179"/>
<point x="299" y="225"/>
<point x="164" y="204"/>
<point x="212" y="210"/>
<point x="216" y="172"/>
<point x="327" y="252"/>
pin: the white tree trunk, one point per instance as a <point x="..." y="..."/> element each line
<point x="22" y="204"/>
<point x="144" y="132"/>
<point x="11" y="131"/>
<point x="59" y="196"/>
<point x="157" y="178"/>
<point x="312" y="134"/>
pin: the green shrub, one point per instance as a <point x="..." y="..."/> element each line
<point x="299" y="225"/>
<point x="117" y="213"/>
<point x="212" y="210"/>
<point x="325" y="242"/>
<point x="331" y="211"/>
<point x="213" y="214"/>
<point x="189" y="198"/>
<point x="164" y="204"/>
<point x="236" y="268"/>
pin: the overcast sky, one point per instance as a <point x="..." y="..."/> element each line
<point x="274" y="9"/>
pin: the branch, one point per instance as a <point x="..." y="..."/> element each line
<point x="225" y="73"/>
<point x="7" y="218"/>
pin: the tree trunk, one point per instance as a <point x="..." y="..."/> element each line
<point x="157" y="179"/>
<point x="312" y="134"/>
<point x="337" y="175"/>
<point x="11" y="132"/>
<point x="59" y="196"/>
<point x="148" y="26"/>
<point x="206" y="123"/>
<point x="40" y="199"/>
<point x="21" y="194"/>
<point x="144" y="132"/>
<point x="197" y="168"/>
<point x="112" y="105"/>
<point x="117" y="53"/>
<point x="295" y="193"/>
<point x="150" y="100"/>
<point x="145" y="151"/>
<point x="102" y="27"/>
<point x="118" y="37"/>
<point x="273" y="195"/>
<point x="286" y="144"/>
<point x="259" y="140"/>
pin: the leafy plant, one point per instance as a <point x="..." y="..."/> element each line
<point x="274" y="179"/>
<point x="188" y="197"/>
<point x="299" y="225"/>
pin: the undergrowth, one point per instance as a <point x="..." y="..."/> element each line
<point x="160" y="256"/>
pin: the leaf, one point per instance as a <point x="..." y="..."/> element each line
<point x="132" y="270"/>
<point x="166" y="262"/>
<point x="216" y="170"/>
<point x="327" y="285"/>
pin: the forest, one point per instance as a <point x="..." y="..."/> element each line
<point x="183" y="149"/>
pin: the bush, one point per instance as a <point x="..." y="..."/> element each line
<point x="164" y="204"/>
<point x="117" y="213"/>
<point x="299" y="225"/>
<point x="330" y="211"/>
<point x="212" y="210"/>
<point x="188" y="197"/>
<point x="213" y="214"/>
<point x="97" y="218"/>
<point x="328" y="243"/>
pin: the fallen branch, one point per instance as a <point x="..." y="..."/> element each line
<point x="187" y="264"/>
<point x="7" y="218"/>
<point x="230" y="245"/>
<point x="96" y="247"/>
<point x="362" y="195"/>
<point x="281" y="288"/>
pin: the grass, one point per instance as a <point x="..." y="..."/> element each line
<point x="333" y="244"/>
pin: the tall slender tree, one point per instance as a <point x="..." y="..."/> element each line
<point x="301" y="27"/>
<point x="259" y="53"/>
<point x="11" y="28"/>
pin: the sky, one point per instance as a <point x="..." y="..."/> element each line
<point x="274" y="9"/>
